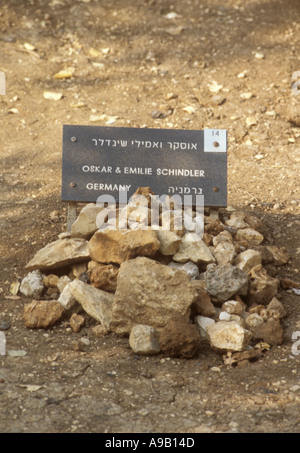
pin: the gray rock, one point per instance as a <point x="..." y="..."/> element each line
<point x="96" y="303"/>
<point x="223" y="281"/>
<point x="32" y="285"/>
<point x="4" y="324"/>
<point x="202" y="322"/>
<point x="144" y="340"/>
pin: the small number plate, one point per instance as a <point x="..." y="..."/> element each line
<point x="215" y="141"/>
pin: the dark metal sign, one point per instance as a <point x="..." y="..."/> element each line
<point x="108" y="160"/>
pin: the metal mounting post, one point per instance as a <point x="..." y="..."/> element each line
<point x="71" y="215"/>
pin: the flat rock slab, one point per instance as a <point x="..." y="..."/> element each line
<point x="117" y="246"/>
<point x="150" y="293"/>
<point x="60" y="253"/>
<point x="40" y="314"/>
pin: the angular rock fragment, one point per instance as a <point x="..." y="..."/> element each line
<point x="247" y="260"/>
<point x="228" y="336"/>
<point x="270" y="332"/>
<point x="79" y="269"/>
<point x="150" y="293"/>
<point x="32" y="285"/>
<point x="95" y="302"/>
<point x="233" y="307"/>
<point x="224" y="236"/>
<point x="253" y="237"/>
<point x="202" y="305"/>
<point x="190" y="268"/>
<point x="144" y="340"/>
<point x="179" y="338"/>
<point x="275" y="306"/>
<point x="224" y="252"/>
<point x="223" y="281"/>
<point x="225" y="316"/>
<point x="169" y="242"/>
<point x="62" y="282"/>
<point x="50" y="281"/>
<point x="42" y="313"/>
<point x="279" y="255"/>
<point x="103" y="276"/>
<point x="262" y="287"/>
<point x="85" y="225"/>
<point x="192" y="248"/>
<point x="100" y="330"/>
<point x="236" y="221"/>
<point x="202" y="322"/>
<point x="253" y="320"/>
<point x="254" y="222"/>
<point x="213" y="226"/>
<point x="66" y="299"/>
<point x="76" y="322"/>
<point x="60" y="253"/>
<point x="116" y="246"/>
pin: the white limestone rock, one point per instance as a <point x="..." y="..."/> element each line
<point x="202" y="322"/>
<point x="32" y="285"/>
<point x="228" y="336"/>
<point x="144" y="340"/>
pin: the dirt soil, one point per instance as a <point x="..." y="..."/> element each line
<point x="135" y="64"/>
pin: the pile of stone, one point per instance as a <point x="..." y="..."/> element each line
<point x="167" y="290"/>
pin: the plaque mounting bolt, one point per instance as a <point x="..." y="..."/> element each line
<point x="216" y="144"/>
<point x="72" y="184"/>
<point x="73" y="139"/>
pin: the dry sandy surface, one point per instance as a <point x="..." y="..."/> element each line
<point x="130" y="59"/>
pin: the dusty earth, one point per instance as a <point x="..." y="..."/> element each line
<point x="135" y="64"/>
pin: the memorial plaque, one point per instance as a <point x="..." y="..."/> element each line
<point x="109" y="160"/>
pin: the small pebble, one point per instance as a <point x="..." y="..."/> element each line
<point x="16" y="353"/>
<point x="4" y="324"/>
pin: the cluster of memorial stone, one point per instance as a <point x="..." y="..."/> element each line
<point x="167" y="290"/>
